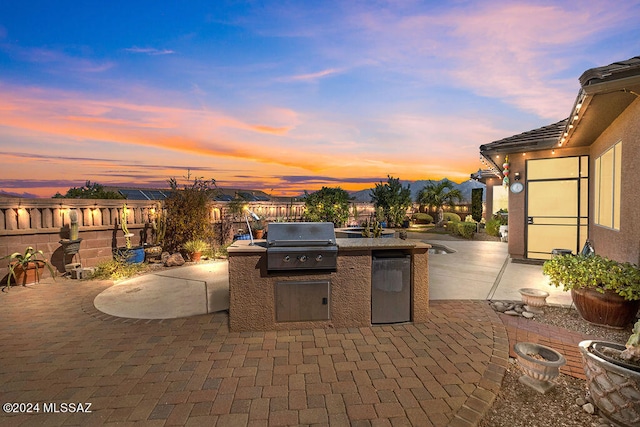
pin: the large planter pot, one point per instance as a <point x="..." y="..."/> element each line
<point x="607" y="309"/>
<point x="615" y="390"/>
<point x="30" y="273"/>
<point x="134" y="255"/>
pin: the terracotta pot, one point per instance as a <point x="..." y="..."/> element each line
<point x="32" y="274"/>
<point x="615" y="390"/>
<point x="608" y="309"/>
<point x="258" y="234"/>
<point x="195" y="256"/>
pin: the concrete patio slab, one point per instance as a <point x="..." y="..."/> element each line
<point x="179" y="292"/>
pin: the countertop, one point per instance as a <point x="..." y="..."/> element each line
<point x="344" y="244"/>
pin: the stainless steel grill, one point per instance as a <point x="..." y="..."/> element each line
<point x="301" y="246"/>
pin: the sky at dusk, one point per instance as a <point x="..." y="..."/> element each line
<point x="285" y="96"/>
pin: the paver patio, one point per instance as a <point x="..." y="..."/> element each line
<point x="57" y="348"/>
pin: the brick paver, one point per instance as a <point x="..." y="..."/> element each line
<point x="57" y="348"/>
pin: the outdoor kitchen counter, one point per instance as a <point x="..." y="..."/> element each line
<point x="252" y="287"/>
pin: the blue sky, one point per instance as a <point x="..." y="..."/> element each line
<point x="285" y="96"/>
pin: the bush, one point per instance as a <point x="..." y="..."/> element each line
<point x="493" y="227"/>
<point x="450" y="216"/>
<point x="422" y="218"/>
<point x="465" y="229"/>
<point x="188" y="213"/>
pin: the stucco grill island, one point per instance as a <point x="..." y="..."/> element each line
<point x="304" y="277"/>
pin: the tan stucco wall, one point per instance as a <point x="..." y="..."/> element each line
<point x="622" y="245"/>
<point x="252" y="291"/>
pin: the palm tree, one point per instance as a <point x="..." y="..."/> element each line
<point x="439" y="195"/>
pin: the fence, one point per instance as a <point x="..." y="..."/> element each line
<point x="42" y="223"/>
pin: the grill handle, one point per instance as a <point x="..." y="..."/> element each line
<point x="300" y="242"/>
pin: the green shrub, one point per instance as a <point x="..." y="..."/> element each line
<point x="188" y="213"/>
<point x="465" y="229"/>
<point x="450" y="216"/>
<point x="476" y="204"/>
<point x="493" y="227"/>
<point x="422" y="218"/>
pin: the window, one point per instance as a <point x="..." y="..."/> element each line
<point x="608" y="181"/>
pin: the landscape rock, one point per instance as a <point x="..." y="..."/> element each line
<point x="512" y="313"/>
<point x="580" y="401"/>
<point x="589" y="408"/>
<point x="534" y="310"/>
<point x="528" y="314"/>
<point x="164" y="256"/>
<point x="174" y="260"/>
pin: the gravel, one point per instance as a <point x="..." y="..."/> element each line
<point x="518" y="405"/>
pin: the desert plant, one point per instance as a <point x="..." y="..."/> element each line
<point x="124" y="218"/>
<point x="158" y="221"/>
<point x="117" y="269"/>
<point x="22" y="261"/>
<point x="73" y="225"/>
<point x="195" y="245"/>
<point x="371" y="229"/>
<point x="632" y="352"/>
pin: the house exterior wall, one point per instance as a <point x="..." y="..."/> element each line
<point x="622" y="245"/>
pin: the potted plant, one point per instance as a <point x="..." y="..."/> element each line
<point x="195" y="248"/>
<point x="25" y="268"/>
<point x="613" y="377"/>
<point x="605" y="292"/>
<point x="258" y="228"/>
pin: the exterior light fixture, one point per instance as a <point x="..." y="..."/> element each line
<point x="516" y="176"/>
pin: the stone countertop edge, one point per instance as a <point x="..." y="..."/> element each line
<point x="344" y="244"/>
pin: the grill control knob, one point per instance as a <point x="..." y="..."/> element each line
<point x="302" y="258"/>
<point x="319" y="258"/>
<point x="287" y="258"/>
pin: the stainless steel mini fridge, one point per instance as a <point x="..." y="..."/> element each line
<point x="391" y="287"/>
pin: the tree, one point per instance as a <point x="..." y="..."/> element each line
<point x="328" y="205"/>
<point x="476" y="204"/>
<point x="393" y="199"/>
<point x="188" y="212"/>
<point x="439" y="195"/>
<point x="89" y="191"/>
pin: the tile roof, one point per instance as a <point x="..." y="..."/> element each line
<point x="536" y="139"/>
<point x="614" y="71"/>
